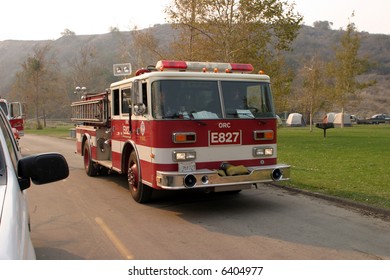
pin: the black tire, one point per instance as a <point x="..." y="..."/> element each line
<point x="90" y="167"/>
<point x="140" y="192"/>
<point x="103" y="171"/>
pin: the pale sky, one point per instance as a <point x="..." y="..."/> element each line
<point x="43" y="19"/>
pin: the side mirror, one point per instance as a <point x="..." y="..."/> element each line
<point x="139" y="109"/>
<point x="42" y="169"/>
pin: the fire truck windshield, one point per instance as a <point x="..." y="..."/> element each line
<point x="247" y="99"/>
<point x="3" y="106"/>
<point x="200" y="99"/>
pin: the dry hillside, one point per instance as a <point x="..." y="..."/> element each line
<point x="320" y="41"/>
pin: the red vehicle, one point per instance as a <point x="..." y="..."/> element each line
<point x="14" y="113"/>
<point x="182" y="125"/>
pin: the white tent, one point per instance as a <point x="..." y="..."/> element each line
<point x="295" y="119"/>
<point x="330" y="117"/>
<point x="338" y="117"/>
<point x="279" y="120"/>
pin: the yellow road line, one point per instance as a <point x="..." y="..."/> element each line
<point x="114" y="239"/>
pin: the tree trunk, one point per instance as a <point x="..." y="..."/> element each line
<point x="44" y="118"/>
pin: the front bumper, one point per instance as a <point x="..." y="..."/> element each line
<point x="205" y="178"/>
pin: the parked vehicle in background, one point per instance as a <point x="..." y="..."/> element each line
<point x="16" y="174"/>
<point x="375" y="119"/>
<point x="15" y="114"/>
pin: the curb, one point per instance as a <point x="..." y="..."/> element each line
<point x="365" y="209"/>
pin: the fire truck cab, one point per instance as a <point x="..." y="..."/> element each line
<point x="182" y="125"/>
<point x="14" y="113"/>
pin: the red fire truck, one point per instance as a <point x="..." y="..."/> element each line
<point x="182" y="125"/>
<point x="14" y="113"/>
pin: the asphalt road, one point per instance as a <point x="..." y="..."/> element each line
<point x="96" y="218"/>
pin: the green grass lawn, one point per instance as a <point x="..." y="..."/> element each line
<point x="60" y="131"/>
<point x="351" y="162"/>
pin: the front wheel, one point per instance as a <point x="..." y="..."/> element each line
<point x="140" y="192"/>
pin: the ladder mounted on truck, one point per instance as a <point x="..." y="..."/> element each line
<point x="93" y="109"/>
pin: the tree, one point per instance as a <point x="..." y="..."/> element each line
<point x="314" y="94"/>
<point x="113" y="29"/>
<point x="346" y="67"/>
<point x="323" y="25"/>
<point x="234" y="30"/>
<point x="86" y="70"/>
<point x="37" y="83"/>
<point x="68" y="32"/>
<point x="188" y="17"/>
<point x="145" y="48"/>
<point x="282" y="81"/>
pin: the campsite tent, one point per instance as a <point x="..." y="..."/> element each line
<point x="279" y="120"/>
<point x="295" y="119"/>
<point x="338" y="117"/>
<point x="331" y="117"/>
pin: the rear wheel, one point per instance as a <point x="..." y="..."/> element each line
<point x="90" y="167"/>
<point x="140" y="192"/>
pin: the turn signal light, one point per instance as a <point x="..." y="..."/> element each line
<point x="263" y="135"/>
<point x="184" y="137"/>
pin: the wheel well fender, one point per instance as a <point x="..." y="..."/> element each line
<point x="128" y="148"/>
<point x="86" y="138"/>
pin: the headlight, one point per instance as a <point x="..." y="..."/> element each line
<point x="184" y="155"/>
<point x="263" y="151"/>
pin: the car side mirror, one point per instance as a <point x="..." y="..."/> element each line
<point x="42" y="169"/>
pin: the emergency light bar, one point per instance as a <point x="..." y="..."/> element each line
<point x="195" y="66"/>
